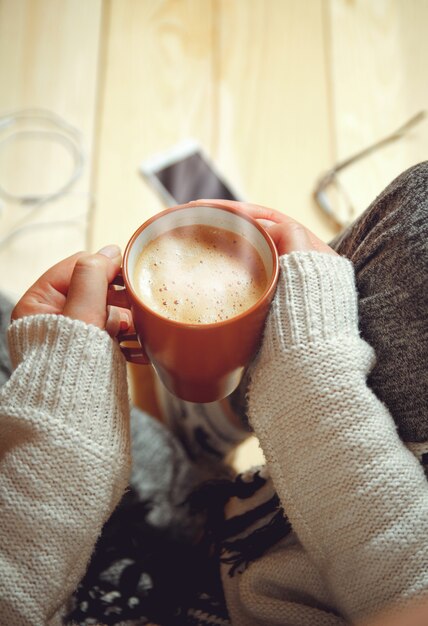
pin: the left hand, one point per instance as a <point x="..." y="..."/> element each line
<point x="77" y="287"/>
<point x="288" y="235"/>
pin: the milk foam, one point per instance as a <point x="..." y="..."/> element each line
<point x="199" y="274"/>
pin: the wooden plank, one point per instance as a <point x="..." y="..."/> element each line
<point x="274" y="132"/>
<point x="158" y="89"/>
<point x="48" y="59"/>
<point x="378" y="55"/>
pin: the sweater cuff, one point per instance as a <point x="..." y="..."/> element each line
<point x="71" y="371"/>
<point x="315" y="301"/>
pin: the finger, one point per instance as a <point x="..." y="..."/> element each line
<point x="290" y="239"/>
<point x="48" y="293"/>
<point x="288" y="235"/>
<point x="294" y="237"/>
<point x="58" y="277"/>
<point x="256" y="211"/>
<point x="118" y="320"/>
<point x="87" y="294"/>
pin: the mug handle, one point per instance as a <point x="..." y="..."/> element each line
<point x="132" y="354"/>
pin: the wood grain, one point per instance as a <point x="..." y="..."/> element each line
<point x="48" y="59"/>
<point x="273" y="124"/>
<point x="378" y="56"/>
<point x="158" y="89"/>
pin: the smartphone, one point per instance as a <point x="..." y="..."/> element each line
<point x="184" y="173"/>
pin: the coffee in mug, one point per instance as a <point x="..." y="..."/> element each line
<point x="199" y="274"/>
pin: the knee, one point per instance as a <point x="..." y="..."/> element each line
<point x="405" y="199"/>
<point x="417" y="175"/>
<point x="400" y="211"/>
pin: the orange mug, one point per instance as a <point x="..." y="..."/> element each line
<point x="197" y="362"/>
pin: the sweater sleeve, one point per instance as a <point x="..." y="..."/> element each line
<point x="354" y="494"/>
<point x="64" y="461"/>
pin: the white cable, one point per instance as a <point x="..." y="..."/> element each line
<point x="57" y="223"/>
<point x="62" y="133"/>
<point x="53" y="136"/>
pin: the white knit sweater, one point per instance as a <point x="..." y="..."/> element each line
<point x="64" y="461"/>
<point x="356" y="497"/>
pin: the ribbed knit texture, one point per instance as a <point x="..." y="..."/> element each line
<point x="357" y="499"/>
<point x="64" y="464"/>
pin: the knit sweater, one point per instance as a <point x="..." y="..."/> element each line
<point x="356" y="498"/>
<point x="64" y="461"/>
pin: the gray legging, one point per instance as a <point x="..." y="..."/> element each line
<point x="5" y="366"/>
<point x="388" y="246"/>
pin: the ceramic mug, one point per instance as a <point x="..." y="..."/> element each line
<point x="197" y="362"/>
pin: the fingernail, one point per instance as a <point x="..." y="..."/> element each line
<point x="111" y="251"/>
<point x="124" y="321"/>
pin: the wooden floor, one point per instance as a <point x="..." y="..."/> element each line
<point x="276" y="91"/>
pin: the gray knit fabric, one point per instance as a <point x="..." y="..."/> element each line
<point x="388" y="246"/>
<point x="5" y="365"/>
<point x="164" y="475"/>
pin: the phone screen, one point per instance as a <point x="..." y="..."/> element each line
<point x="192" y="178"/>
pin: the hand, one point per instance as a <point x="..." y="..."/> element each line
<point x="77" y="287"/>
<point x="287" y="234"/>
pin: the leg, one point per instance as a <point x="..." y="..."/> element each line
<point x="388" y="246"/>
<point x="5" y="365"/>
<point x="209" y="432"/>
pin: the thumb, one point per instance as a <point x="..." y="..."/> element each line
<point x="87" y="293"/>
